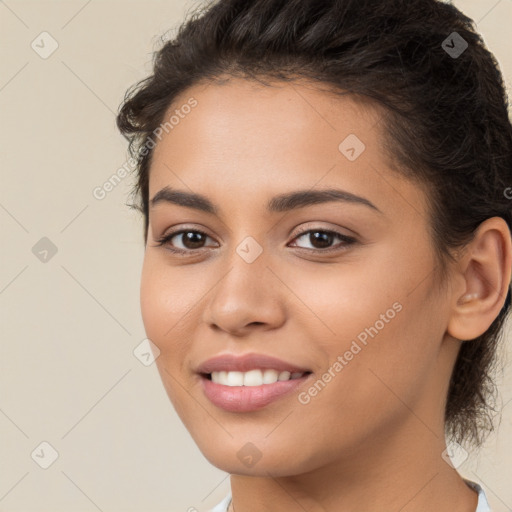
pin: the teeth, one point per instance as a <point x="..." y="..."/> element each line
<point x="270" y="376"/>
<point x="253" y="377"/>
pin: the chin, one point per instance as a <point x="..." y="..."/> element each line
<point x="245" y="458"/>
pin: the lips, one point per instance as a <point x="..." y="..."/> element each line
<point x="246" y="362"/>
<point x="243" y="399"/>
<point x="246" y="398"/>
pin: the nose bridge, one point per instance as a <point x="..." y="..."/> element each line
<point x="247" y="272"/>
<point x="244" y="295"/>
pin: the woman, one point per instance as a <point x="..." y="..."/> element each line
<point x="325" y="190"/>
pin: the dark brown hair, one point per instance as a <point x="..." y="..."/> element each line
<point x="445" y="118"/>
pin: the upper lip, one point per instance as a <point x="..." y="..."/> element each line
<point x="246" y="362"/>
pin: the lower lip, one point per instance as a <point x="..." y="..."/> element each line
<point x="248" y="398"/>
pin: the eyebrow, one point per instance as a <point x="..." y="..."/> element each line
<point x="281" y="203"/>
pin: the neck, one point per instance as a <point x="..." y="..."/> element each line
<point x="403" y="472"/>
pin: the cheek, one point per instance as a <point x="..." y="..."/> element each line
<point x="375" y="385"/>
<point x="164" y="312"/>
<point x="389" y="364"/>
<point x="343" y="300"/>
<point x="162" y="308"/>
<point x="153" y="304"/>
<point x="165" y="299"/>
<point x="386" y="334"/>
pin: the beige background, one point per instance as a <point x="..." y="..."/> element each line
<point x="69" y="325"/>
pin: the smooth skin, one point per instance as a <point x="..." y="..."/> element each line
<point x="372" y="439"/>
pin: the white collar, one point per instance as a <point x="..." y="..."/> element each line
<point x="483" y="505"/>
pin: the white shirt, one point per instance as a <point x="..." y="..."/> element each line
<point x="483" y="505"/>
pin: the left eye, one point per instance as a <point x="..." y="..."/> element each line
<point x="322" y="239"/>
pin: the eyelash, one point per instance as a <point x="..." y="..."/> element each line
<point x="347" y="241"/>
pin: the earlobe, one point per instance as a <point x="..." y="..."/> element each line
<point x="485" y="269"/>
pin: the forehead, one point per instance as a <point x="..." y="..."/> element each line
<point x="243" y="115"/>
<point x="243" y="136"/>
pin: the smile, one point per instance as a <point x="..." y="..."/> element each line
<point x="236" y="396"/>
<point x="253" y="377"/>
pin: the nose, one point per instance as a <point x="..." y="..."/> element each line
<point x="247" y="297"/>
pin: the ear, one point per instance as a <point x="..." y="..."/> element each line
<point x="483" y="280"/>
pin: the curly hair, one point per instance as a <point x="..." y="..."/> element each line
<point x="445" y="119"/>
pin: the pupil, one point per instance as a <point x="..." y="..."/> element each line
<point x="189" y="237"/>
<point x="324" y="239"/>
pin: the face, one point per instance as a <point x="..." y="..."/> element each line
<point x="341" y="287"/>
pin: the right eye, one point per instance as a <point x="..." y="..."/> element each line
<point x="191" y="242"/>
